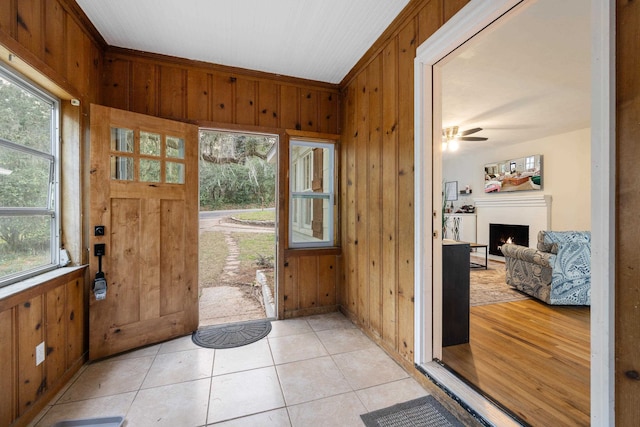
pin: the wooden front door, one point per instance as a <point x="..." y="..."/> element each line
<point x="144" y="191"/>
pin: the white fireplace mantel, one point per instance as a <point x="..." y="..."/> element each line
<point x="532" y="210"/>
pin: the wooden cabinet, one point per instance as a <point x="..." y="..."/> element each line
<point x="460" y="227"/>
<point x="455" y="293"/>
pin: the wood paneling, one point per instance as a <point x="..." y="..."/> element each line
<point x="378" y="172"/>
<point x="310" y="282"/>
<point x="56" y="342"/>
<point x="29" y="21"/>
<point x="245" y="102"/>
<point x="7" y="367"/>
<point x="198" y="88"/>
<point x="173" y="86"/>
<point x="185" y="90"/>
<point x="627" y="290"/>
<point x="38" y="315"/>
<point x="268" y="104"/>
<point x="374" y="196"/>
<point x="143" y="89"/>
<point x="289" y="107"/>
<point x="30" y="335"/>
<point x="49" y="36"/>
<point x="75" y="321"/>
<point x="54" y="35"/>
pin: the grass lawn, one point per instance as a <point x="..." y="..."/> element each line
<point x="254" y="246"/>
<point x="213" y="253"/>
<point x="265" y="215"/>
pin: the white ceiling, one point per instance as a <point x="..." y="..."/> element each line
<point x="316" y="40"/>
<point x="524" y="79"/>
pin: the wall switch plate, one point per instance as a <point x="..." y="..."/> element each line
<point x="40" y="353"/>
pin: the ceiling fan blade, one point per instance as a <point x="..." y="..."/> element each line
<point x="472" y="138"/>
<point x="469" y="131"/>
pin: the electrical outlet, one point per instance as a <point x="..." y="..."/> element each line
<point x="40" y="353"/>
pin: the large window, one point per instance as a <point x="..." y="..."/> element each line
<point x="29" y="230"/>
<point x="311" y="201"/>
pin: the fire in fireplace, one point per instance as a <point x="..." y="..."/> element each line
<point x="507" y="233"/>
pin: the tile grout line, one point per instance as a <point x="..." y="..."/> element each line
<point x="275" y="368"/>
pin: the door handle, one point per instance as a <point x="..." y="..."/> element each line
<point x="99" y="283"/>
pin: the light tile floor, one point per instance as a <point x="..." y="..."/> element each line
<point x="313" y="371"/>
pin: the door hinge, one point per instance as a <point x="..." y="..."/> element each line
<point x="435" y="234"/>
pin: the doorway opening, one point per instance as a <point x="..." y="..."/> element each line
<point x="237" y="243"/>
<point x="429" y="125"/>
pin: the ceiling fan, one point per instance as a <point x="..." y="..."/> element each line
<point x="451" y="136"/>
<point x="453" y="133"/>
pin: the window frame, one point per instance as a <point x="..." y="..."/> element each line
<point x="295" y="197"/>
<point x="53" y="199"/>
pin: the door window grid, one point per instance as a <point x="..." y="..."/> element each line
<point x="145" y="155"/>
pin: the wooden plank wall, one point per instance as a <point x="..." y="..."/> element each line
<point x="56" y="40"/>
<point x="627" y="291"/>
<point x="310" y="282"/>
<point x="192" y="91"/>
<point x="60" y="49"/>
<point x="223" y="97"/>
<point x="378" y="178"/>
<point x="52" y="313"/>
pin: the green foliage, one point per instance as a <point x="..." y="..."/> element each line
<point x="234" y="170"/>
<point x="25" y="120"/>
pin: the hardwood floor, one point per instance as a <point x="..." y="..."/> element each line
<point x="530" y="357"/>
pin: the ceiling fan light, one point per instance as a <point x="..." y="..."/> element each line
<point x="454" y="145"/>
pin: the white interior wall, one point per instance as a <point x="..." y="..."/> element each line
<point x="566" y="164"/>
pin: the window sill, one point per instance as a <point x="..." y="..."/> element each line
<point x="33" y="282"/>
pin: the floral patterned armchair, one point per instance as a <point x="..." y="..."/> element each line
<point x="557" y="272"/>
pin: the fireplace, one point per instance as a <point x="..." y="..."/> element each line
<point x="507" y="233"/>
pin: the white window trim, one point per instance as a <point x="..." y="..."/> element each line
<point x="326" y="194"/>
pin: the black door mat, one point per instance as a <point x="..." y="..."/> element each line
<point x="424" y="412"/>
<point x="232" y="334"/>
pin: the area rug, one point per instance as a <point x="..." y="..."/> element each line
<point x="490" y="287"/>
<point x="424" y="412"/>
<point x="231" y="335"/>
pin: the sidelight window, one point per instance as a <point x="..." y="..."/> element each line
<point x="311" y="201"/>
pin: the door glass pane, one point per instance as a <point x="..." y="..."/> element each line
<point x="175" y="173"/>
<point x="149" y="143"/>
<point x="149" y="170"/>
<point x="122" y="168"/>
<point x="175" y="147"/>
<point x="122" y="140"/>
<point x="25" y="180"/>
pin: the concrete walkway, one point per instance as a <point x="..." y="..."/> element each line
<point x="230" y="300"/>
